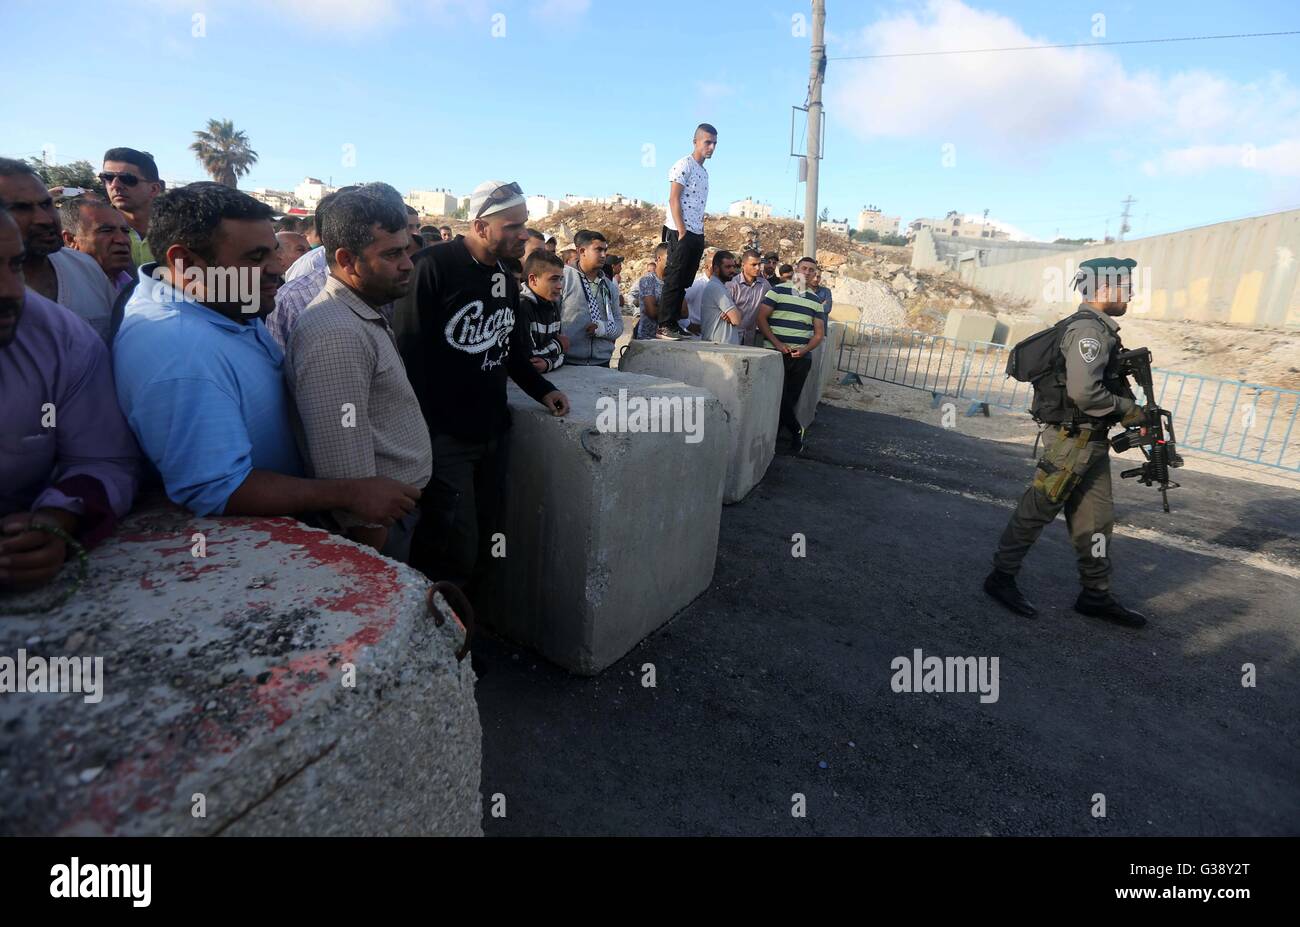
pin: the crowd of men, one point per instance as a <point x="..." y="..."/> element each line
<point x="349" y="370"/>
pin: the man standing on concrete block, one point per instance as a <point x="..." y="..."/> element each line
<point x="790" y="320"/>
<point x="719" y="317"/>
<point x="747" y="290"/>
<point x="688" y="194"/>
<point x="589" y="314"/>
<point x="460" y="333"/>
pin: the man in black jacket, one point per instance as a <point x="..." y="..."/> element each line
<point x="460" y="334"/>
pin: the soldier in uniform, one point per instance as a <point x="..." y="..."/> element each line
<point x="1079" y="401"/>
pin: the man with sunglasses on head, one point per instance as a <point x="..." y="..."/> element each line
<point x="460" y="334"/>
<point x="131" y="180"/>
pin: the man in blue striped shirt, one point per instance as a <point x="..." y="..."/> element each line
<point x="790" y="321"/>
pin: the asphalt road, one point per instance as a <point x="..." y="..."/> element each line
<point x="777" y="680"/>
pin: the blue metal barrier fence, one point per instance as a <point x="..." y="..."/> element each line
<point x="1226" y="418"/>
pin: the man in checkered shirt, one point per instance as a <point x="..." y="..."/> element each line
<point x="357" y="415"/>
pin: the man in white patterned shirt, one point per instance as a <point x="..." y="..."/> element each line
<point x="688" y="194"/>
<point x="357" y="415"/>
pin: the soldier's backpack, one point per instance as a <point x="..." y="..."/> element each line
<point x="1037" y="360"/>
<point x="1039" y="354"/>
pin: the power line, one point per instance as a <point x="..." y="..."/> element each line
<point x="978" y="51"/>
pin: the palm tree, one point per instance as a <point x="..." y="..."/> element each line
<point x="223" y="152"/>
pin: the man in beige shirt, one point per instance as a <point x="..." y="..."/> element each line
<point x="357" y="414"/>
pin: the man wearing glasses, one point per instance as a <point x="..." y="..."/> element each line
<point x="460" y="333"/>
<point x="131" y="180"/>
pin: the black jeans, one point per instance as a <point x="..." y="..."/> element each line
<point x="683" y="263"/>
<point x="460" y="508"/>
<point x="796" y="372"/>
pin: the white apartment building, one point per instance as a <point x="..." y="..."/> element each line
<point x="310" y="192"/>
<point x="539" y="206"/>
<point x="439" y="202"/>
<point x="872" y="218"/>
<point x="835" y="225"/>
<point x="954" y="225"/>
<point x="279" y="200"/>
<point x="748" y="208"/>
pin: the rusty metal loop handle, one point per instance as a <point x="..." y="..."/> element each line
<point x="460" y="607"/>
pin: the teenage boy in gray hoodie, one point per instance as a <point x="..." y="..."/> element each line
<point x="590" y="316"/>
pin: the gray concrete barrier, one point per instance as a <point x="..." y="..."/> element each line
<point x="608" y="534"/>
<point x="285" y="682"/>
<point x="968" y="325"/>
<point x="747" y="381"/>
<point x="824" y="358"/>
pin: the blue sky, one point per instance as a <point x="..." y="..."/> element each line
<point x="568" y="98"/>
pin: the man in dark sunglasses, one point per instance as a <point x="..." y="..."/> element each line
<point x="130" y="178"/>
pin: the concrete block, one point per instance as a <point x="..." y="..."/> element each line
<point x="966" y="325"/>
<point x="1018" y="331"/>
<point x="747" y="381"/>
<point x="825" y="357"/>
<point x="609" y="534"/>
<point x="223" y="676"/>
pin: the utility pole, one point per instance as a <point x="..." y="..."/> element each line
<point x="1127" y="203"/>
<point x="818" y="74"/>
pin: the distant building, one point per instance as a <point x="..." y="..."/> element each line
<point x="280" y="200"/>
<point x="310" y="192"/>
<point x="954" y="225"/>
<point x="749" y="209"/>
<point x="618" y="199"/>
<point x="438" y="202"/>
<point x="871" y="218"/>
<point x="571" y="199"/>
<point x="835" y="225"/>
<point x="539" y="206"/>
<point x="462" y="204"/>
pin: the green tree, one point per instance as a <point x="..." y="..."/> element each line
<point x="867" y="235"/>
<point x="826" y="214"/>
<point x="76" y="174"/>
<point x="224" y="152"/>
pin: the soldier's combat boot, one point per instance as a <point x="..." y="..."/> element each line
<point x="1002" y="586"/>
<point x="1104" y="605"/>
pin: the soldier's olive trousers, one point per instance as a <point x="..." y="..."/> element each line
<point x="1073" y="474"/>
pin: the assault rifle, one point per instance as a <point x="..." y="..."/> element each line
<point x="1155" y="437"/>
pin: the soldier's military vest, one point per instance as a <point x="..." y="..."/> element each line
<point x="1052" y="405"/>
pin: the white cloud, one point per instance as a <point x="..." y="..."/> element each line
<point x="1281" y="159"/>
<point x="1018" y="103"/>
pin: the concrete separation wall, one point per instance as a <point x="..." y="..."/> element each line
<point x="224" y="691"/>
<point x="1243" y="273"/>
<point x="608" y="535"/>
<point x="747" y="381"/>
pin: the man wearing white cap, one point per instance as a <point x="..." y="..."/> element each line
<point x="457" y="332"/>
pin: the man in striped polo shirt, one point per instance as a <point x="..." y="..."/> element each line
<point x="790" y="321"/>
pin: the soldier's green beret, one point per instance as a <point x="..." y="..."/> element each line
<point x="1104" y="264"/>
